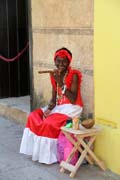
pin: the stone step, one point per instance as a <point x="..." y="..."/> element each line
<point x="16" y="109"/>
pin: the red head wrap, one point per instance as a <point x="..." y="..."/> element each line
<point x="63" y="53"/>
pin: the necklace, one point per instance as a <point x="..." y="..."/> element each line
<point x="60" y="96"/>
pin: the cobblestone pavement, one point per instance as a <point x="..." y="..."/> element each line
<point x="14" y="166"/>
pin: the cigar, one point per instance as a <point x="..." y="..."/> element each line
<point x="45" y="71"/>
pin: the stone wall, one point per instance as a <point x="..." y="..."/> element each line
<point x="56" y="24"/>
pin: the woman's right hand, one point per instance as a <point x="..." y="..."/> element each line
<point x="47" y="112"/>
<point x="58" y="77"/>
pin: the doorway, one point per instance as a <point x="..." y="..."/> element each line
<point x="14" y="75"/>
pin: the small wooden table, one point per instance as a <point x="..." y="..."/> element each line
<point x="82" y="146"/>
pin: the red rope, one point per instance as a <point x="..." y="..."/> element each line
<point x="16" y="57"/>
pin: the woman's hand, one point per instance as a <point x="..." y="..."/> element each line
<point x="47" y="112"/>
<point x="58" y="77"/>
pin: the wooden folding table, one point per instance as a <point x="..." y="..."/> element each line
<point x="83" y="146"/>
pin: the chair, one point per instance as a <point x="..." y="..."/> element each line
<point x="84" y="147"/>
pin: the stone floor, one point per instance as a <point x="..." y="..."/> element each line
<point x="15" y="166"/>
<point x="22" y="103"/>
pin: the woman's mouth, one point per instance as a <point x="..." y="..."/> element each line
<point x="61" y="67"/>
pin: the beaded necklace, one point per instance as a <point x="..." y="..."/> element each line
<point x="59" y="97"/>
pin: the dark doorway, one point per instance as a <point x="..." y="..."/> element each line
<point x="14" y="76"/>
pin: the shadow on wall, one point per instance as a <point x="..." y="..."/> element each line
<point x="38" y="101"/>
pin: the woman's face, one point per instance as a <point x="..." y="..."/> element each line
<point x="61" y="63"/>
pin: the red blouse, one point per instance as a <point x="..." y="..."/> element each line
<point x="68" y="81"/>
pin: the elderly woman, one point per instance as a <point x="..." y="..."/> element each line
<point x="43" y="125"/>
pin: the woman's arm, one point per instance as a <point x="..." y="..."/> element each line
<point x="52" y="102"/>
<point x="71" y="94"/>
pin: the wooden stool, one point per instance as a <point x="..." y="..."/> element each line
<point x="82" y="146"/>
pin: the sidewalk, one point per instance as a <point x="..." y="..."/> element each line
<point x="15" y="166"/>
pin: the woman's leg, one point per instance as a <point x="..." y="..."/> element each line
<point x="35" y="120"/>
<point x="49" y="126"/>
<point x="52" y="124"/>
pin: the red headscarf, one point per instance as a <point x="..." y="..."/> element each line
<point x="63" y="53"/>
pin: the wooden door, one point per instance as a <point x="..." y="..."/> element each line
<point x="14" y="76"/>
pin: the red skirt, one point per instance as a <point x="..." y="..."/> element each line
<point x="47" y="127"/>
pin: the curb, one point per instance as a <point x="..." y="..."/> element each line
<point x="13" y="113"/>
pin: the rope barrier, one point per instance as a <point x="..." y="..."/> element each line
<point x="16" y="57"/>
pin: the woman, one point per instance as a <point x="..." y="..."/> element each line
<point x="43" y="125"/>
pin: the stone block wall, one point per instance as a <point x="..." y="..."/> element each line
<point x="56" y="24"/>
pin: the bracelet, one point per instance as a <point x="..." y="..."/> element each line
<point x="63" y="88"/>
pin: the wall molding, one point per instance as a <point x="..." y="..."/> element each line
<point x="66" y="30"/>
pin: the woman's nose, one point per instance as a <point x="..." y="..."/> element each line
<point x="60" y="62"/>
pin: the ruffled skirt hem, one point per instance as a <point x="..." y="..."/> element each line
<point x="42" y="149"/>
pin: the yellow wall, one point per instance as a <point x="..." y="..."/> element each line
<point x="107" y="80"/>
